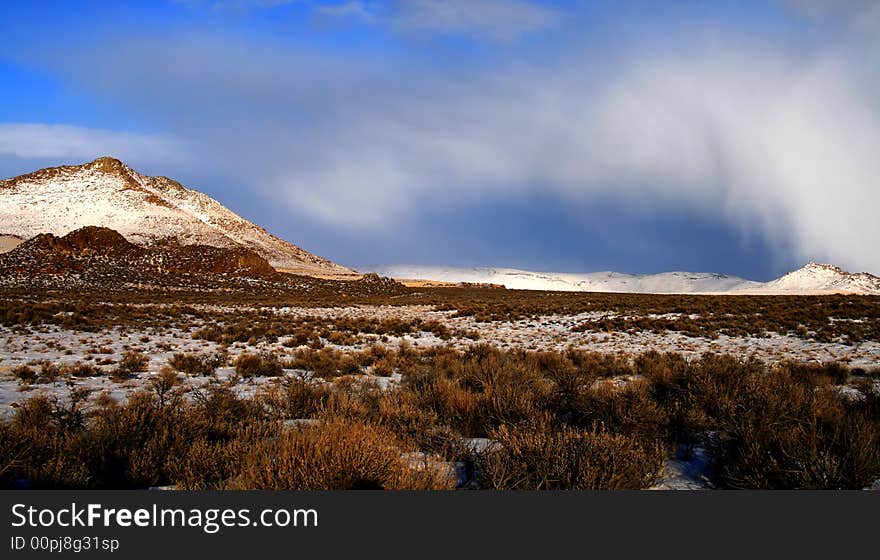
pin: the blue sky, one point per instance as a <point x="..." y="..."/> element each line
<point x="639" y="136"/>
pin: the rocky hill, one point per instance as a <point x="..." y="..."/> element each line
<point x="145" y="210"/>
<point x="96" y="253"/>
<point x="96" y="262"/>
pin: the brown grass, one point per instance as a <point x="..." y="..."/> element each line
<point x="538" y="457"/>
<point x="558" y="420"/>
<point x="336" y="455"/>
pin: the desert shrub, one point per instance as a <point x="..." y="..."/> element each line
<point x="829" y="373"/>
<point x="337" y="455"/>
<point x="194" y="364"/>
<point x="379" y="359"/>
<point x="436" y="328"/>
<point x="49" y="372"/>
<point x="130" y="362"/>
<point x="294" y="397"/>
<point x="257" y="365"/>
<point x="400" y="412"/>
<point x="220" y="412"/>
<point x="341" y="338"/>
<point x="479" y="389"/>
<point x="24" y="374"/>
<point x="454" y="405"/>
<point x="540" y="457"/>
<point x="699" y="396"/>
<point x="512" y="394"/>
<point x="80" y="369"/>
<point x="163" y="383"/>
<point x="628" y="410"/>
<point x="787" y="435"/>
<point x="119" y="375"/>
<point x="212" y="464"/>
<point x="134" y="361"/>
<point x="326" y="363"/>
<point x="41" y="443"/>
<point x="383" y="367"/>
<point x="147" y="442"/>
<point x="559" y="419"/>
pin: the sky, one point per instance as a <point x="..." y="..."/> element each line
<point x="732" y="136"/>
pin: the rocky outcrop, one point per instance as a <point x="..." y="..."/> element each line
<point x="104" y="253"/>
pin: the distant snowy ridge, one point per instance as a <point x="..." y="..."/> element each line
<point x="144" y="209"/>
<point x="818" y="278"/>
<point x="668" y="282"/>
<point x="812" y="279"/>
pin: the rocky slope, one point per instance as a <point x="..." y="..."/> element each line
<point x="99" y="262"/>
<point x="813" y="278"/>
<point x="96" y="252"/>
<point x="145" y="210"/>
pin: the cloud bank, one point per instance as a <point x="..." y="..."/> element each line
<point x="500" y="20"/>
<point x="77" y="143"/>
<point x="863" y="15"/>
<point x="781" y="142"/>
<point x="782" y="146"/>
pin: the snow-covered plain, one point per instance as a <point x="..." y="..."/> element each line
<point x="61" y="346"/>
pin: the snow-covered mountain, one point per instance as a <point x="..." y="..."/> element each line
<point x="811" y="279"/>
<point x="818" y="278"/>
<point x="668" y="282"/>
<point x="144" y="209"/>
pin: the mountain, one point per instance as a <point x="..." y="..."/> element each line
<point x="669" y="282"/>
<point x="818" y="278"/>
<point x="813" y="278"/>
<point x="145" y="210"/>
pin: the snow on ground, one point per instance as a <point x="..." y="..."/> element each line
<point x="689" y="469"/>
<point x="62" y="346"/>
<point x="9" y="242"/>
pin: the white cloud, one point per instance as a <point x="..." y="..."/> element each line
<point x="76" y="143"/>
<point x="500" y="20"/>
<point x="782" y="144"/>
<point x="863" y="15"/>
<point x="783" y="147"/>
<point x="234" y="5"/>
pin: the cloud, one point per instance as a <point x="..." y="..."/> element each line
<point x="233" y="5"/>
<point x="76" y="143"/>
<point x="783" y="144"/>
<point x="781" y="148"/>
<point x="353" y="9"/>
<point x="863" y="15"/>
<point x="499" y="20"/>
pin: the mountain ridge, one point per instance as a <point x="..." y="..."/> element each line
<point x="819" y="278"/>
<point x="146" y="210"/>
<point x="813" y="278"/>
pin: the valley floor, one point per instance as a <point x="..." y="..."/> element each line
<point x="61" y="346"/>
<point x="74" y="352"/>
